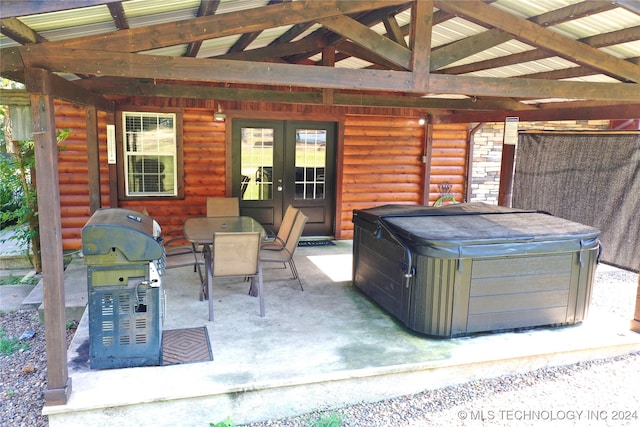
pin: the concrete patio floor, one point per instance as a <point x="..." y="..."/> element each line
<point x="325" y="347"/>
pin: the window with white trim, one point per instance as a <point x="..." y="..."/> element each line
<point x="150" y="154"/>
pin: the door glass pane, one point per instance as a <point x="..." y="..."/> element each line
<point x="256" y="163"/>
<point x="311" y="158"/>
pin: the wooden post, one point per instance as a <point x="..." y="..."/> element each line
<point x="426" y="160"/>
<point x="507" y="165"/>
<point x="506" y="175"/>
<point x="39" y="85"/>
<point x="93" y="159"/>
<point x="635" y="323"/>
<point x="420" y="42"/>
<point x="328" y="60"/>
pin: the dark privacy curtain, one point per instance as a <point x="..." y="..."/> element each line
<point x="593" y="179"/>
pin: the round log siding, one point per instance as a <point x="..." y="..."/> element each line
<point x="381" y="163"/>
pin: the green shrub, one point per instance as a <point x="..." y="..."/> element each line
<point x="11" y="195"/>
<point x="332" y="420"/>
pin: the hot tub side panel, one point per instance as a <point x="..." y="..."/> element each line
<point x="438" y="303"/>
<point x="377" y="271"/>
<point x="451" y="297"/>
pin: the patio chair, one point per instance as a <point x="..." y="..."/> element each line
<point x="236" y="254"/>
<point x="285" y="255"/>
<point x="179" y="252"/>
<point x="283" y="232"/>
<point x="223" y="206"/>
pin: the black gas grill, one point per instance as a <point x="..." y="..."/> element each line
<point x="124" y="261"/>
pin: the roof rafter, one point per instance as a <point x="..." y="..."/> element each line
<point x="367" y="38"/>
<point x="455" y="51"/>
<point x="599" y="40"/>
<point x="18" y="31"/>
<point x="213" y="26"/>
<point x="536" y="35"/>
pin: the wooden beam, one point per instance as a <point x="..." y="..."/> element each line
<point x="276" y="50"/>
<point x="598" y="40"/>
<point x="328" y="60"/>
<point x="420" y="42"/>
<point x="533" y="89"/>
<point x="531" y="33"/>
<point x="507" y="169"/>
<point x="39" y="84"/>
<point x="12" y="8"/>
<point x="10" y="60"/>
<point x="349" y="49"/>
<point x="118" y="15"/>
<point x="466" y="47"/>
<point x="595" y="112"/>
<point x="247" y="38"/>
<point x="130" y="87"/>
<point x="207" y="7"/>
<point x="572" y="12"/>
<point x="227" y="24"/>
<point x="103" y="63"/>
<point x="364" y="36"/>
<point x="293" y="32"/>
<point x="15" y="29"/>
<point x="67" y="91"/>
<point x="394" y="32"/>
<point x="327" y="38"/>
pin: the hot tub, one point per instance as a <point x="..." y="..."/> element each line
<point x="467" y="268"/>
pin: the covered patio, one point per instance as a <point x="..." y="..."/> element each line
<point x="405" y="85"/>
<point x="325" y="347"/>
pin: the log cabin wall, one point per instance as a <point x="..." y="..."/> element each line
<point x="382" y="162"/>
<point x="449" y="166"/>
<point x="73" y="171"/>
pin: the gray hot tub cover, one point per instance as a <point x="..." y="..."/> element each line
<point x="476" y="230"/>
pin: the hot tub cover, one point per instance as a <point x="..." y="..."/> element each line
<point x="472" y="230"/>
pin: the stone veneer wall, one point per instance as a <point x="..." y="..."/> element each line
<point x="486" y="154"/>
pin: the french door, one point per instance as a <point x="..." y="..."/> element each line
<point x="279" y="163"/>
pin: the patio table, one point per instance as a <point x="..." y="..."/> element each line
<point x="200" y="230"/>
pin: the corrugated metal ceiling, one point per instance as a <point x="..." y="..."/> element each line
<point x="93" y="20"/>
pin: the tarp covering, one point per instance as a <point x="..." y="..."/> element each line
<point x="592" y="179"/>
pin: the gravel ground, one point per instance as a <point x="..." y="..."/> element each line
<point x="595" y="393"/>
<point x="23" y="374"/>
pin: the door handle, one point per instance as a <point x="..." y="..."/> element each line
<point x="279" y="187"/>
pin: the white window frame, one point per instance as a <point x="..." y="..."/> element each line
<point x="150" y="145"/>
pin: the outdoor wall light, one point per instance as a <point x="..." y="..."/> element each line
<point x="219" y="115"/>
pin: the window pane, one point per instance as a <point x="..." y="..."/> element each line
<point x="256" y="163"/>
<point x="150" y="151"/>
<point x="311" y="159"/>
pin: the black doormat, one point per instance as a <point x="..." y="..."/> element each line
<point x="316" y="243"/>
<point x="186" y="346"/>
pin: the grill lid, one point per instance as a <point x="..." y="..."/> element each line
<point x="130" y="232"/>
